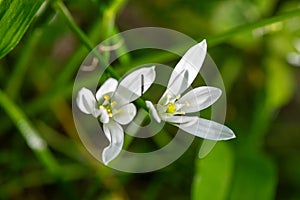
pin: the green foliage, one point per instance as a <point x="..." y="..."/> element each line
<point x="15" y="18"/>
<point x="254" y="178"/>
<point x="248" y="40"/>
<point x="213" y="174"/>
<point x="279" y="79"/>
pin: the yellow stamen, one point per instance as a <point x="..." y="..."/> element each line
<point x="171" y="108"/>
<point x="108" y="109"/>
<point x="113" y="104"/>
<point x="106" y="97"/>
<point x="187" y="103"/>
<point x="180" y="113"/>
<point x="119" y="111"/>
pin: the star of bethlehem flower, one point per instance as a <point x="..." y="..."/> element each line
<point x="173" y="106"/>
<point x="112" y="106"/>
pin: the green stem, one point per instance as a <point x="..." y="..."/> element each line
<point x="37" y="144"/>
<point x="213" y="41"/>
<point x="217" y="39"/>
<point x="63" y="10"/>
<point x="15" y="82"/>
<point x="31" y="136"/>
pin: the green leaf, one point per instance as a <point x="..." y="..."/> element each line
<point x="279" y="83"/>
<point x="213" y="174"/>
<point x="15" y="18"/>
<point x="254" y="178"/>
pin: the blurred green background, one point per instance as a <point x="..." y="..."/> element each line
<point x="256" y="46"/>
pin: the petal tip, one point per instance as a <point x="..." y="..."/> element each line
<point x="153" y="67"/>
<point x="216" y="91"/>
<point x="230" y="135"/>
<point x="104" y="160"/>
<point x="203" y="44"/>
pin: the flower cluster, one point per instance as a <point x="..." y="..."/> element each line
<point x="112" y="103"/>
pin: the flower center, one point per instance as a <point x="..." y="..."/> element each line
<point x="171" y="108"/>
<point x="108" y="109"/>
<point x="108" y="106"/>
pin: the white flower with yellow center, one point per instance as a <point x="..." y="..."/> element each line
<point x="112" y="106"/>
<point x="173" y="107"/>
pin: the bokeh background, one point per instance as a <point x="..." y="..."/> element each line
<point x="256" y="46"/>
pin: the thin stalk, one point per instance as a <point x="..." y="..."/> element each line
<point x="37" y="144"/>
<point x="16" y="79"/>
<point x="43" y="101"/>
<point x="215" y="40"/>
<point x="220" y="38"/>
<point x="63" y="10"/>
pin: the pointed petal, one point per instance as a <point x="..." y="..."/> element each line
<point x="208" y="129"/>
<point x="126" y="114"/>
<point x="135" y="84"/>
<point x="86" y="102"/>
<point x="187" y="69"/>
<point x="115" y="135"/>
<point x="153" y="111"/>
<point x="199" y="98"/>
<point x="110" y="85"/>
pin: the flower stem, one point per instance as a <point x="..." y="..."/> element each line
<point x="63" y="10"/>
<point x="15" y="81"/>
<point x="37" y="144"/>
<point x="42" y="102"/>
<point x="220" y="38"/>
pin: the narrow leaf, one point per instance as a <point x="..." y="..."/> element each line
<point x="15" y="18"/>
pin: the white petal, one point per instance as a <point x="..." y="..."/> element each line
<point x="181" y="120"/>
<point x="104" y="118"/>
<point x="135" y="84"/>
<point x="153" y="111"/>
<point x="110" y="85"/>
<point x="187" y="68"/>
<point x="126" y="114"/>
<point x="208" y="129"/>
<point x="199" y="98"/>
<point x="115" y="135"/>
<point x="86" y="102"/>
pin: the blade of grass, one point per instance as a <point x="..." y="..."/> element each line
<point x="40" y="177"/>
<point x="42" y="102"/>
<point x="63" y="10"/>
<point x="215" y="40"/>
<point x="16" y="79"/>
<point x="37" y="144"/>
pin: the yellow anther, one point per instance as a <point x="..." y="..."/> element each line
<point x="106" y="97"/>
<point x="113" y="104"/>
<point x="180" y="113"/>
<point x="119" y="111"/>
<point x="178" y="96"/>
<point x="169" y="96"/>
<point x="171" y="108"/>
<point x="187" y="103"/>
<point x="108" y="109"/>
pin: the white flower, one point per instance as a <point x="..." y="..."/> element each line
<point x="172" y="107"/>
<point x="112" y="106"/>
